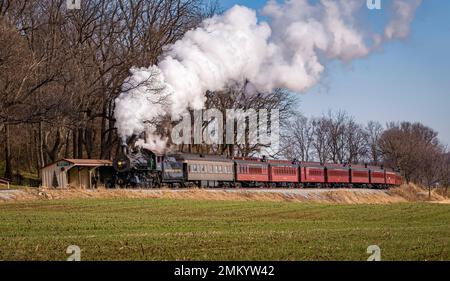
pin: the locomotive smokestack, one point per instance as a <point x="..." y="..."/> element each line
<point x="124" y="149"/>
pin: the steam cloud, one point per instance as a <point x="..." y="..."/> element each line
<point x="289" y="50"/>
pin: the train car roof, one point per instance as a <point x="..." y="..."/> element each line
<point x="337" y="166"/>
<point x="311" y="164"/>
<point x="201" y="157"/>
<point x="250" y="162"/>
<point x="282" y="163"/>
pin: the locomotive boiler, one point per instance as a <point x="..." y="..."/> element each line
<point x="142" y="168"/>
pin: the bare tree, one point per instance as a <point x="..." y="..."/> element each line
<point x="321" y="138"/>
<point x="336" y="135"/>
<point x="299" y="138"/>
<point x="406" y="146"/>
<point x="374" y="131"/>
<point x="356" y="142"/>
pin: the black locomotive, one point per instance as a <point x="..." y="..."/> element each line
<point x="141" y="168"/>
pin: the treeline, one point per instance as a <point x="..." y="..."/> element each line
<point x="337" y="138"/>
<point x="61" y="70"/>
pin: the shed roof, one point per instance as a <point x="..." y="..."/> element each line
<point x="87" y="162"/>
<point x="84" y="162"/>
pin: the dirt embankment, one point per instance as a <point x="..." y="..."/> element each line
<point x="406" y="193"/>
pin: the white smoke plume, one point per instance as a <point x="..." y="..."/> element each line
<point x="404" y="14"/>
<point x="289" y="50"/>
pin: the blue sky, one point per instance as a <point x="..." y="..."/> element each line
<point x="409" y="80"/>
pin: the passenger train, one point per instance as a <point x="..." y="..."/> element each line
<point x="144" y="169"/>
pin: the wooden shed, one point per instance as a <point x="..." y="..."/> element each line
<point x="79" y="173"/>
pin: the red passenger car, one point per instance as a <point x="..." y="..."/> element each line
<point x="359" y="175"/>
<point x="312" y="174"/>
<point x="281" y="171"/>
<point x="377" y="176"/>
<point x="391" y="177"/>
<point x="251" y="171"/>
<point x="337" y="174"/>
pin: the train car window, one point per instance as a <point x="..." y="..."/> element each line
<point x="255" y="170"/>
<point x="315" y="173"/>
<point x="360" y="174"/>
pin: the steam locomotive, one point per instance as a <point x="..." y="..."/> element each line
<point x="142" y="168"/>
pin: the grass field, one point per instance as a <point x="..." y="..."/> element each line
<point x="162" y="229"/>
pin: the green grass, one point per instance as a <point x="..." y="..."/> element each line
<point x="157" y="229"/>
